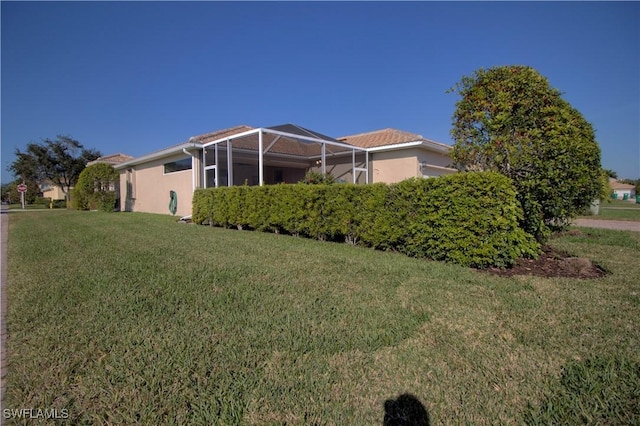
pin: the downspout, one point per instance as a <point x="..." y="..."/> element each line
<point x="260" y="158"/>
<point x="193" y="167"/>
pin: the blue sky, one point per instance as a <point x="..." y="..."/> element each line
<point x="136" y="77"/>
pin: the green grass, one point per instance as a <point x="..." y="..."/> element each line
<point x="617" y="210"/>
<point x="27" y="206"/>
<point x="133" y="318"/>
<point x="620" y="203"/>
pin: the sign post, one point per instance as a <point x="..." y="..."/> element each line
<point x="22" y="188"/>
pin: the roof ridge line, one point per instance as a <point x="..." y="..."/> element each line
<point x="370" y="132"/>
<point x="208" y="134"/>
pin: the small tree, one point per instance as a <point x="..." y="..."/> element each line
<point x="512" y="121"/>
<point x="96" y="188"/>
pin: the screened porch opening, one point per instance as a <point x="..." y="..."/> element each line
<point x="280" y="154"/>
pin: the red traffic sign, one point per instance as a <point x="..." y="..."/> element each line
<point x="22" y="188"/>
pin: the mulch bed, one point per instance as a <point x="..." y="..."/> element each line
<point x="552" y="263"/>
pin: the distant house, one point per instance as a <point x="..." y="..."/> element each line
<point x="622" y="191"/>
<point x="270" y="155"/>
<point x="52" y="191"/>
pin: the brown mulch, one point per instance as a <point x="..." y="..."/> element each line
<point x="552" y="263"/>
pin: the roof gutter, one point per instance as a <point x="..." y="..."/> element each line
<point x="435" y="146"/>
<point x="160" y="154"/>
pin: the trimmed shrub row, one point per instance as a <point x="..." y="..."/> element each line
<point x="468" y="218"/>
<point x="46" y="201"/>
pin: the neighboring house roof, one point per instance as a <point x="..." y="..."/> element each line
<point x="619" y="185"/>
<point x="112" y="159"/>
<point x="391" y="138"/>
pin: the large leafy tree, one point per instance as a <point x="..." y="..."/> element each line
<point x="510" y="120"/>
<point x="58" y="161"/>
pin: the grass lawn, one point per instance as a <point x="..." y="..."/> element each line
<point x="28" y="206"/>
<point x="617" y="210"/>
<point x="133" y="318"/>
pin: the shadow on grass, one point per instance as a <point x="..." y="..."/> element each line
<point x="407" y="410"/>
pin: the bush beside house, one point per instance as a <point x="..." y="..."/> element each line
<point x="49" y="203"/>
<point x="470" y="218"/>
<point x="96" y="188"/>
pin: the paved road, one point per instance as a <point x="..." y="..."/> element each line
<point x="620" y="225"/>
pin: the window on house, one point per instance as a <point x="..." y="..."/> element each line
<point x="178" y="166"/>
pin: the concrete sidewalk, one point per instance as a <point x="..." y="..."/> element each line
<point x="620" y="225"/>
<point x="4" y="225"/>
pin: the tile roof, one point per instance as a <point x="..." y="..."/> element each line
<point x="111" y="159"/>
<point x="201" y="139"/>
<point x="219" y="134"/>
<point x="384" y="137"/>
<point x="619" y="185"/>
<point x="292" y="145"/>
<point x="294" y="129"/>
<point x="283" y="144"/>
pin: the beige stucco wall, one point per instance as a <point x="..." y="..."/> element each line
<point x="391" y="166"/>
<point x="54" y="192"/>
<point x="150" y="186"/>
<point x="435" y="159"/>
<point x="394" y="166"/>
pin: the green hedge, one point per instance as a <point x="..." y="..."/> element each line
<point x="48" y="202"/>
<point x="59" y="204"/>
<point x="467" y="218"/>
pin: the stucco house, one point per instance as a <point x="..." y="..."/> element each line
<point x="52" y="191"/>
<point x="622" y="191"/>
<point x="269" y="155"/>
